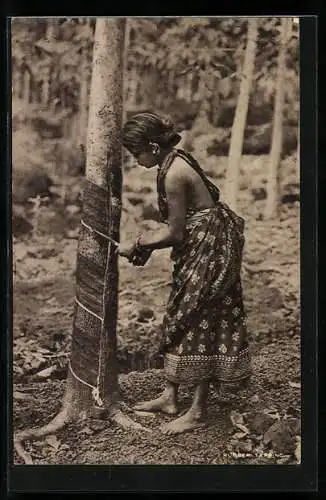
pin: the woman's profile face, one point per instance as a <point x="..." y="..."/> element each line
<point x="145" y="159"/>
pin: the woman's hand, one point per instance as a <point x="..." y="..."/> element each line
<point x="141" y="256"/>
<point x="127" y="250"/>
<point x="136" y="255"/>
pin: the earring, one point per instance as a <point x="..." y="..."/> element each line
<point x="156" y="148"/>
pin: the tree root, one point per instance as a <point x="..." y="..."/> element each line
<point x="31" y="434"/>
<point x="26" y="457"/>
<point x="126" y="422"/>
<point x="115" y="415"/>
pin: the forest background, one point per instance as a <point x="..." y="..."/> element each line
<point x="192" y="70"/>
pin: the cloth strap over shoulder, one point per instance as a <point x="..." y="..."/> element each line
<point x="162" y="201"/>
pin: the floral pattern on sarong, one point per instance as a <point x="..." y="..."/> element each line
<point x="204" y="328"/>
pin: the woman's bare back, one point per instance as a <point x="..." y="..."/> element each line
<point x="197" y="195"/>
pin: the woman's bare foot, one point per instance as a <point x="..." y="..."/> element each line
<point x="163" y="404"/>
<point x="194" y="417"/>
<point x="189" y="421"/>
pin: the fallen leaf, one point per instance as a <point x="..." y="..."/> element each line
<point x="243" y="428"/>
<point x="271" y="412"/>
<point x="19" y="370"/>
<point x="46" y="373"/>
<point x="260" y="422"/>
<point x="43" y="350"/>
<point x="98" y="425"/>
<point x="236" y="418"/>
<point x="279" y="436"/>
<point x="39" y="357"/>
<point x="47" y="311"/>
<point x="64" y="447"/>
<point x="254" y="398"/>
<point x="53" y="441"/>
<point x="86" y="430"/>
<point x="245" y="446"/>
<point x="20" y="396"/>
<point x="147" y="414"/>
<point x="295" y="385"/>
<point x="240" y="435"/>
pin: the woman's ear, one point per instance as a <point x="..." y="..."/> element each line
<point x="155" y="147"/>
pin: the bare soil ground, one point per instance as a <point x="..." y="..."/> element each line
<point x="260" y="425"/>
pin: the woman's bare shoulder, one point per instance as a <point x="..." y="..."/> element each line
<point x="179" y="171"/>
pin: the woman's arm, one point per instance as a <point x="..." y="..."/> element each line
<point x="172" y="234"/>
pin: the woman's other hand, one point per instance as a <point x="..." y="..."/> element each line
<point x="141" y="257"/>
<point x="135" y="255"/>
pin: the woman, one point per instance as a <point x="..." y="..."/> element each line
<point x="204" y="328"/>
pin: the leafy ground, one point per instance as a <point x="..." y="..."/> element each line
<point x="261" y="425"/>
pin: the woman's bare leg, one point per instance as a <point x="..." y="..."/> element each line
<point x="195" y="416"/>
<point x="166" y="403"/>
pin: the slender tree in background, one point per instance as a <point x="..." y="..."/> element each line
<point x="93" y="377"/>
<point x="239" y="122"/>
<point x="26" y="87"/>
<point x="50" y="37"/>
<point x="277" y="133"/>
<point x="84" y="87"/>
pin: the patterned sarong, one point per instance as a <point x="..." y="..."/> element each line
<point x="204" y="328"/>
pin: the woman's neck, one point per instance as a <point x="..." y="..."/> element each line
<point x="163" y="154"/>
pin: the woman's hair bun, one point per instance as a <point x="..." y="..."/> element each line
<point x="147" y="127"/>
<point x="171" y="138"/>
<point x="167" y="124"/>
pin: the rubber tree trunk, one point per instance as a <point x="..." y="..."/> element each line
<point x="240" y="118"/>
<point x="93" y="367"/>
<point x="271" y="207"/>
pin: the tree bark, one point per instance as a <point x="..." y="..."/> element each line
<point x="103" y="175"/>
<point x="239" y="122"/>
<point x="271" y="207"/>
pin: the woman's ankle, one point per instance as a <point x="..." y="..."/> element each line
<point x="171" y="391"/>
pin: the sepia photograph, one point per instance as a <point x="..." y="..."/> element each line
<point x="156" y="241"/>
